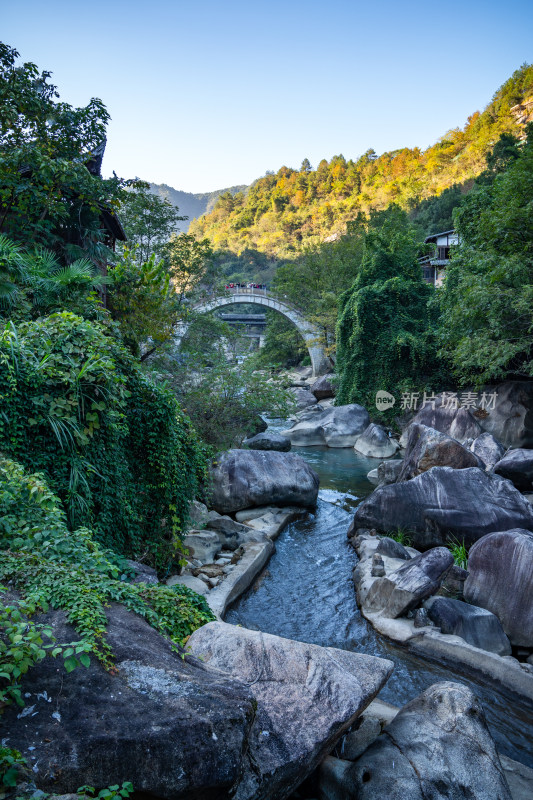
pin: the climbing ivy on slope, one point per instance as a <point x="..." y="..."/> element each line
<point x="52" y="566"/>
<point x="117" y="450"/>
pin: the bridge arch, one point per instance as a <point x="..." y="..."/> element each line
<point x="261" y="297"/>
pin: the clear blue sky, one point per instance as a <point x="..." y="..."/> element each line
<point x="211" y="94"/>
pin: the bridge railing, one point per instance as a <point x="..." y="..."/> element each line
<point x="263" y="292"/>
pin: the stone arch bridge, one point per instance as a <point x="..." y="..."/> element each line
<point x="262" y="297"/>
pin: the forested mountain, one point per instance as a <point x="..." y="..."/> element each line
<point x="281" y="211"/>
<point x="192" y="205"/>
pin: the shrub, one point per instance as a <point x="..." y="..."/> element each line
<point x="69" y="570"/>
<point x="116" y="449"/>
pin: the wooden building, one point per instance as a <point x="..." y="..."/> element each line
<point x="433" y="265"/>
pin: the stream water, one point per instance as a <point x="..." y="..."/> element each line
<point x="306" y="593"/>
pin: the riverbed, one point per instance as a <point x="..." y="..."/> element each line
<point x="306" y="593"/>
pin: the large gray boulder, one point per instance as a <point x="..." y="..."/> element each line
<point x="304" y="398"/>
<point x="406" y="587"/>
<point x="500" y="579"/>
<point x="322" y="388"/>
<point x="517" y="466"/>
<point x="475" y="625"/>
<point x="268" y="441"/>
<point x="374" y="442"/>
<point x="427" y="447"/>
<point x="247" y="478"/>
<point x="459" y="423"/>
<point x="446" y="503"/>
<point x="165" y="721"/>
<point x="307" y="696"/>
<point x="438" y="747"/>
<point x="337" y="426"/>
<point x="510" y="417"/>
<point x="488" y="449"/>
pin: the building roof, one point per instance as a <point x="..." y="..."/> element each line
<point x="435" y="236"/>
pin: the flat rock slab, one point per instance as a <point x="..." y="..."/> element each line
<point x="438" y="746"/>
<point x="500" y="579"/>
<point x="307" y="696"/>
<point x="444" y="503"/>
<point x="475" y="625"/>
<point x="246" y="478"/>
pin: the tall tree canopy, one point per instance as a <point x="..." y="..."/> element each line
<point x="384" y="337"/>
<point x="486" y="320"/>
<point x="48" y="194"/>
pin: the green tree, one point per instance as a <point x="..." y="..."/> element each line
<point x="385" y="335"/>
<point x="142" y="300"/>
<point x="486" y="327"/>
<point x="51" y="193"/>
<point x="149" y="222"/>
<point x="223" y="398"/>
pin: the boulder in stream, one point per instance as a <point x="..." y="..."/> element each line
<point x="268" y="441"/>
<point x="475" y="625"/>
<point x="500" y="579"/>
<point x="246" y="478"/>
<point x="337" y="426"/>
<point x="307" y="696"/>
<point x="438" y="746"/>
<point x="444" y="503"/>
<point x="402" y="590"/>
<point x="427" y="447"/>
<point x="374" y="442"/>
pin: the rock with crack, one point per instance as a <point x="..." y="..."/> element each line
<point x="374" y="442"/>
<point x="475" y="625"/>
<point x="444" y="503"/>
<point x="165" y="721"/>
<point x="500" y="579"/>
<point x="406" y="587"/>
<point x="438" y="747"/>
<point x="246" y="478"/>
<point x="230" y="534"/>
<point x="427" y="447"/>
<point x="307" y="697"/>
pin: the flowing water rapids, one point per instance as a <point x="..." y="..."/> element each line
<point x="306" y="593"/>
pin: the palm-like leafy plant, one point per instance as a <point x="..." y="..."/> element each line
<point x="44" y="280"/>
<point x="13" y="270"/>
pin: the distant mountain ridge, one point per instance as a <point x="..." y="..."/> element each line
<point x="189" y="204"/>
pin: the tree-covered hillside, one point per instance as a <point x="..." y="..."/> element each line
<point x="281" y="211"/>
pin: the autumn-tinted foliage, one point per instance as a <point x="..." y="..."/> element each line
<point x="282" y="210"/>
